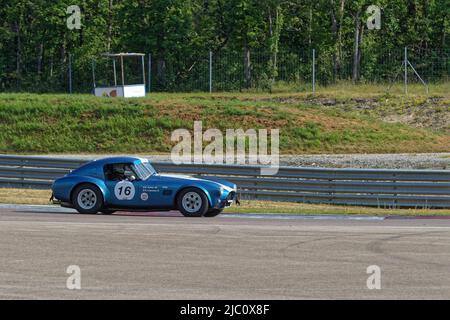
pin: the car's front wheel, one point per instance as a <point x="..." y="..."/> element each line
<point x="87" y="198"/>
<point x="213" y="212"/>
<point x="192" y="202"/>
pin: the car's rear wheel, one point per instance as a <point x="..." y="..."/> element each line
<point x="213" y="212"/>
<point x="87" y="198"/>
<point x="192" y="202"/>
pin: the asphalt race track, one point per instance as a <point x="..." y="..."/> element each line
<point x="166" y="256"/>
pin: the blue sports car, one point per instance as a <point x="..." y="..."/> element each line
<point x="131" y="183"/>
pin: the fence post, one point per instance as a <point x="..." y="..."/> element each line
<point x="143" y="69"/>
<point x="70" y="73"/>
<point x="314" y="71"/>
<point x="122" y="72"/>
<point x="114" y="70"/>
<point x="406" y="70"/>
<point x="210" y="71"/>
<point x="93" y="73"/>
<point x="149" y="71"/>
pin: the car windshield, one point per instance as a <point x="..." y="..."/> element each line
<point x="144" y="170"/>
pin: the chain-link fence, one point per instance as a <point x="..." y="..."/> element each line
<point x="229" y="70"/>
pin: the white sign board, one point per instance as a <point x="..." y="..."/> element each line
<point x="137" y="90"/>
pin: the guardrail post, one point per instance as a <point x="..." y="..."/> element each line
<point x="395" y="188"/>
<point x="256" y="183"/>
<point x="21" y="166"/>
<point x="330" y="187"/>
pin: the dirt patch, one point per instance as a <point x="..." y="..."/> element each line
<point x="433" y="113"/>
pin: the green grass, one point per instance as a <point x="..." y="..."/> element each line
<point x="333" y="121"/>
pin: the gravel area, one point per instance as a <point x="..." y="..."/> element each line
<point x="386" y="161"/>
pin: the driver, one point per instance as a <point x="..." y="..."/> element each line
<point x="118" y="173"/>
<point x="122" y="172"/>
<point x="128" y="172"/>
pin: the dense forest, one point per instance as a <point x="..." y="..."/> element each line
<point x="253" y="42"/>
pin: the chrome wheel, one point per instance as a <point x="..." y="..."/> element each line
<point x="86" y="199"/>
<point x="192" y="202"/>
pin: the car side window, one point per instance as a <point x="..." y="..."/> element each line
<point x="117" y="171"/>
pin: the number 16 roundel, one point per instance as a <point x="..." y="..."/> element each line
<point x="124" y="190"/>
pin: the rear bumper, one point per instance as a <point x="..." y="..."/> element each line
<point x="61" y="203"/>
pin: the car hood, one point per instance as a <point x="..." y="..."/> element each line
<point x="186" y="178"/>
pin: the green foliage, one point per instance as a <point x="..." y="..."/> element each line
<point x="35" y="42"/>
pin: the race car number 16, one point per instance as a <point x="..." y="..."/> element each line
<point x="124" y="190"/>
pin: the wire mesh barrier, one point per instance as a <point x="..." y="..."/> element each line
<point x="368" y="187"/>
<point x="227" y="70"/>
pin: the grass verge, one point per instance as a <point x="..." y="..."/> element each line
<point x="31" y="196"/>
<point x="341" y="119"/>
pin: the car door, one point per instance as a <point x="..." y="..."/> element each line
<point x="156" y="193"/>
<point x="122" y="192"/>
<point x="149" y="193"/>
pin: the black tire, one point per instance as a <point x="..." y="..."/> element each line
<point x="195" y="202"/>
<point x="213" y="212"/>
<point x="107" y="211"/>
<point x="93" y="197"/>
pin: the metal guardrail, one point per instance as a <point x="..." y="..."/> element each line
<point x="368" y="187"/>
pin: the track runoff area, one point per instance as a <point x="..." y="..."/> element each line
<point x="55" y="253"/>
